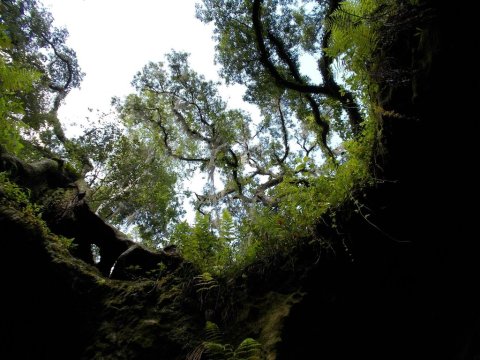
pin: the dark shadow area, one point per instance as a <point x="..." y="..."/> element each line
<point x="411" y="292"/>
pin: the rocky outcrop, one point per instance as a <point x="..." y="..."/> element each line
<point x="62" y="196"/>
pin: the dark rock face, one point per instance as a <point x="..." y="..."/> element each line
<point x="55" y="306"/>
<point x="45" y="311"/>
<point x="58" y="305"/>
<point x="410" y="291"/>
<point x="136" y="261"/>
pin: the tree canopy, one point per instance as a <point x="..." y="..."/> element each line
<point x="269" y="180"/>
<point x="44" y="71"/>
<point x="312" y="144"/>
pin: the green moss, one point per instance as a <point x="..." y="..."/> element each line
<point x="260" y="317"/>
<point x="276" y="309"/>
<point x="18" y="199"/>
<point x="71" y="170"/>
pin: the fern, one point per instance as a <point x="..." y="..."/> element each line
<point x="216" y="349"/>
<point x="212" y="333"/>
<point x="196" y="354"/>
<point x="249" y="349"/>
<point x="353" y="29"/>
<point x="14" y="79"/>
<point x="204" y="284"/>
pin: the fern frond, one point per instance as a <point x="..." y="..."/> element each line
<point x="216" y="351"/>
<point x="204" y="283"/>
<point x="249" y="349"/>
<point x="353" y="27"/>
<point x="213" y="333"/>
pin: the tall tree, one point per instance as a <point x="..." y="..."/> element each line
<point x="34" y="44"/>
<point x="133" y="183"/>
<point x="260" y="44"/>
<point x="313" y="142"/>
<point x="196" y="127"/>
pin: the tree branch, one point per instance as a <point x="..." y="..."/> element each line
<point x="330" y="88"/>
<point x="190" y="132"/>
<point x="268" y="64"/>
<point x="169" y="149"/>
<point x="293" y="68"/>
<point x="62" y="91"/>
<point x="342" y="95"/>
<point x="299" y="84"/>
<point x="284" y="133"/>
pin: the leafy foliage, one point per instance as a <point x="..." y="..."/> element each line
<point x="204" y="284"/>
<point x="133" y="183"/>
<point x="200" y="245"/>
<point x="269" y="180"/>
<point x="354" y="28"/>
<point x="37" y="72"/>
<point x="249" y="349"/>
<point x="13" y="196"/>
<point x="215" y="349"/>
<point x="14" y="79"/>
<point x="12" y="192"/>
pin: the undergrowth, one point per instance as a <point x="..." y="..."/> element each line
<point x="15" y="197"/>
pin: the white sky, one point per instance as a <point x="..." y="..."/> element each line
<point x="114" y="39"/>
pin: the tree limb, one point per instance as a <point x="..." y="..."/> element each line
<point x="342" y="95"/>
<point x="284" y="135"/>
<point x="268" y="64"/>
<point x="169" y="149"/>
<point x="190" y="132"/>
<point x="330" y="88"/>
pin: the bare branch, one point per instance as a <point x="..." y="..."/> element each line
<point x="304" y="146"/>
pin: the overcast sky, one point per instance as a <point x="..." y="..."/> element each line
<point x="114" y="39"/>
